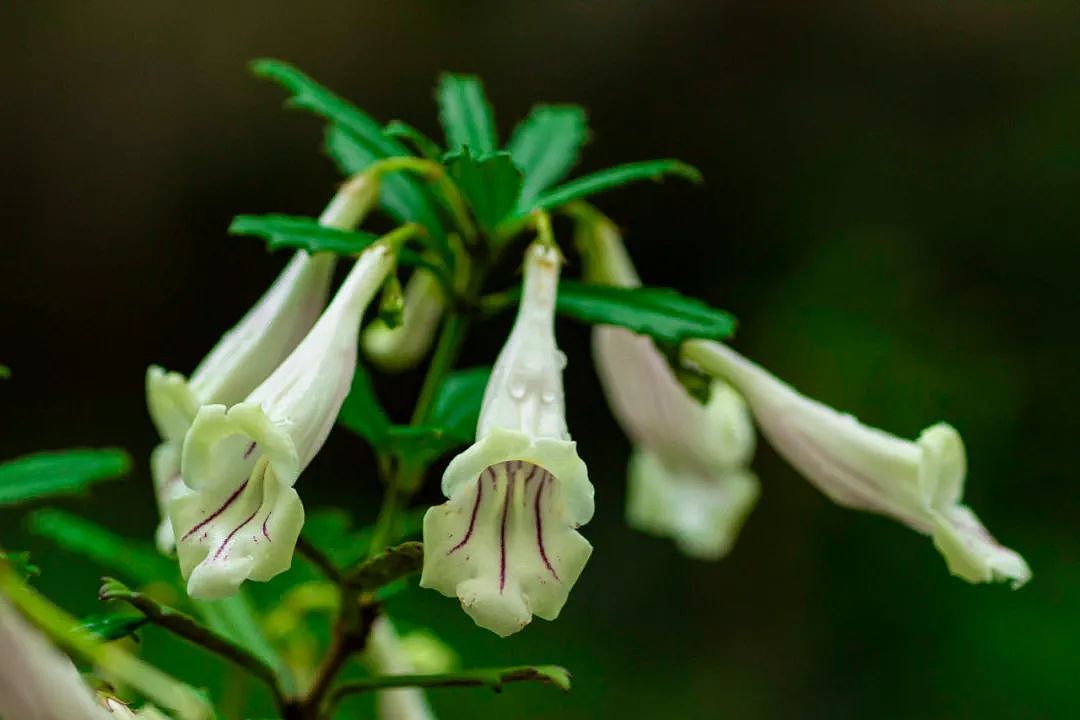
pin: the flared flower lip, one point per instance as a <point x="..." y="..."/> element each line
<point x="558" y="457"/>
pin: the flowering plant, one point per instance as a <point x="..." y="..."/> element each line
<point x="509" y="542"/>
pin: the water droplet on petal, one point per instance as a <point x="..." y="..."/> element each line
<point x="517" y="390"/>
<point x="560" y="359"/>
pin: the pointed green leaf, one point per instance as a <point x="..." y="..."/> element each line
<point x="403" y="197"/>
<point x="402" y="130"/>
<point x="113" y="626"/>
<point x="304" y="233"/>
<point x="491" y="184"/>
<point x="130" y="558"/>
<point x="664" y="314"/>
<point x="466" y="114"/>
<point x="362" y="413"/>
<point x="456" y="408"/>
<point x="63" y="472"/>
<point x="355" y="140"/>
<point x="546" y="145"/>
<point x="237" y="619"/>
<point x="611" y="178"/>
<point x="307" y="94"/>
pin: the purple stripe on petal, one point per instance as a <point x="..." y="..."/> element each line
<point x="225" y="506"/>
<point x="472" y="518"/>
<point x="238" y="528"/>
<point x="540" y="526"/>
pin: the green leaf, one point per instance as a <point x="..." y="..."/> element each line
<point x="662" y="313"/>
<point x="546" y="145"/>
<point x="466" y="114"/>
<point x="307" y="94"/>
<point x="124" y="556"/>
<point x="456" y="407"/>
<point x="491" y="184"/>
<point x="361" y="411"/>
<point x="20" y="563"/>
<point x="402" y="196"/>
<point x="402" y="130"/>
<point x="330" y="531"/>
<point x="63" y="472"/>
<point x="113" y="626"/>
<point x="304" y="233"/>
<point x="355" y="140"/>
<point x="614" y="177"/>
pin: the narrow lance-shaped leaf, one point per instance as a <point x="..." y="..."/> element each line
<point x="403" y="197"/>
<point x="62" y="472"/>
<point x="614" y="177"/>
<point x="20" y="563"/>
<point x="130" y="558"/>
<point x="309" y="95"/>
<point x="662" y="313"/>
<point x="546" y="145"/>
<point x="354" y="141"/>
<point x="304" y="233"/>
<point x="466" y="114"/>
<point x="402" y="130"/>
<point x="491" y="184"/>
<point x="113" y="626"/>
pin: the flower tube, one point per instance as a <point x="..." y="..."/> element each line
<point x="918" y="483"/>
<point x="248" y="353"/>
<point x="506" y="542"/>
<point x="384" y="655"/>
<point x="688" y="476"/>
<point x="401" y="348"/>
<point x="237" y="515"/>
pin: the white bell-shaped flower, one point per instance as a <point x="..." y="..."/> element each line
<point x="688" y="475"/>
<point x="385" y="655"/>
<point x="249" y="352"/>
<point x="506" y="543"/>
<point x="918" y="483"/>
<point x="237" y="515"/>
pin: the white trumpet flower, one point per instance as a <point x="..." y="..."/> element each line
<point x="249" y="352"/>
<point x="688" y="475"/>
<point x="237" y="515"/>
<point x="918" y="483"/>
<point x="506" y="543"/>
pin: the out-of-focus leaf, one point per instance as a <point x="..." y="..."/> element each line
<point x="20" y="563"/>
<point x="402" y="130"/>
<point x="62" y="472"/>
<point x="113" y="626"/>
<point x="490" y="183"/>
<point x="330" y="531"/>
<point x="607" y="179"/>
<point x="5" y="372"/>
<point x="456" y="407"/>
<point x="362" y="413"/>
<point x="236" y="618"/>
<point x="546" y="145"/>
<point x="466" y="114"/>
<point x="662" y="313"/>
<point x="130" y="558"/>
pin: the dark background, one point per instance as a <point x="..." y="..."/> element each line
<point x="890" y="209"/>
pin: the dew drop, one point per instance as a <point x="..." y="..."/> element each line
<point x="560" y="359"/>
<point x="517" y="390"/>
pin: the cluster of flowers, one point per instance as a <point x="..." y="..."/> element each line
<point x="239" y="432"/>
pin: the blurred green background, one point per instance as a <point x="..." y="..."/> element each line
<point x="890" y="208"/>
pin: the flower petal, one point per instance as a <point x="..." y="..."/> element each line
<point x="702" y="514"/>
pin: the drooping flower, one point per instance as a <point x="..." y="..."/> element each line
<point x="918" y="483"/>
<point x="384" y="655"/>
<point x="249" y="352"/>
<point x="237" y="515"/>
<point x="37" y="681"/>
<point x="506" y="543"/>
<point x="402" y="347"/>
<point x="688" y="475"/>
